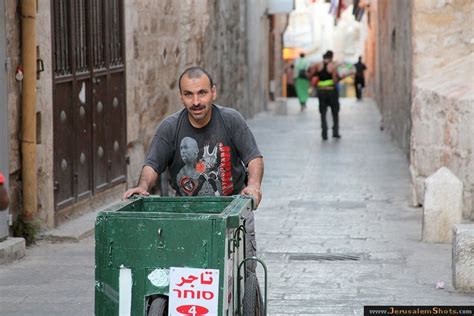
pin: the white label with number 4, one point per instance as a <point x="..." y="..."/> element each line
<point x="193" y="292"/>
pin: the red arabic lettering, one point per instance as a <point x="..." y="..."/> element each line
<point x="190" y="279"/>
<point x="203" y="280"/>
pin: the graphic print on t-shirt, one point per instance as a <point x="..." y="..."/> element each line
<point x="208" y="174"/>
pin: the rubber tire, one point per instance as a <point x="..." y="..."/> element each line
<point x="253" y="302"/>
<point x="159" y="307"/>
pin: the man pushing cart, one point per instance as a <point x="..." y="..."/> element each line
<point x="208" y="151"/>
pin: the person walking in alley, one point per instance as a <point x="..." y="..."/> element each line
<point x="359" y="80"/>
<point x="327" y="93"/>
<point x="4" y="200"/>
<point x="302" y="80"/>
<point x="290" y="81"/>
<point x="208" y="150"/>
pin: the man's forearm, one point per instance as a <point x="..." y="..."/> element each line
<point x="255" y="170"/>
<point x="148" y="178"/>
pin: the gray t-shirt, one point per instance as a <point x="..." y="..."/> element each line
<point x="204" y="161"/>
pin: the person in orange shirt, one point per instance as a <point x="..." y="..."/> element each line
<point x="4" y="200"/>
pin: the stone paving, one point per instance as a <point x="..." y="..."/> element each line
<point x="335" y="226"/>
<point x="52" y="279"/>
<point x="335" y="229"/>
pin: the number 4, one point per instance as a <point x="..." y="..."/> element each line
<point x="192" y="310"/>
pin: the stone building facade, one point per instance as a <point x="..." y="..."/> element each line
<point x="161" y="38"/>
<point x="443" y="95"/>
<point x="393" y="74"/>
<point x="423" y="86"/>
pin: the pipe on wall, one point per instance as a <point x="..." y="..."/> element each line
<point x="28" y="109"/>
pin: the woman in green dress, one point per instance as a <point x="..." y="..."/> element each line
<point x="302" y="82"/>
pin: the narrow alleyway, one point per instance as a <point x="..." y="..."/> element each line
<point x="335" y="229"/>
<point x="335" y="226"/>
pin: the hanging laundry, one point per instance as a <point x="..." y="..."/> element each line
<point x="342" y="6"/>
<point x="359" y="9"/>
<point x="355" y="5"/>
<point x="334" y="6"/>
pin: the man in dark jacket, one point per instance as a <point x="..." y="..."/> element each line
<point x="359" y="80"/>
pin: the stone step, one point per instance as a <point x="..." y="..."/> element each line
<point x="463" y="252"/>
<point x="11" y="249"/>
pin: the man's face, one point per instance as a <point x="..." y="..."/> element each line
<point x="197" y="96"/>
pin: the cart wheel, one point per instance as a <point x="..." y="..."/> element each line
<point x="253" y="302"/>
<point x="159" y="307"/>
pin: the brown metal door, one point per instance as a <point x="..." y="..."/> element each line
<point x="88" y="98"/>
<point x="116" y="119"/>
<point x="64" y="134"/>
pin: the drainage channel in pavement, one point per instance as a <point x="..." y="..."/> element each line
<point x="325" y="257"/>
<point x="362" y="257"/>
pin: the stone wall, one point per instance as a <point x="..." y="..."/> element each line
<point x="370" y="52"/>
<point x="424" y="86"/>
<point x="13" y="52"/>
<point x="44" y="148"/>
<point x="166" y="37"/>
<point x="223" y="52"/>
<point x="154" y="54"/>
<point x="12" y="25"/>
<point x="256" y="33"/>
<point x="280" y="23"/>
<point x="44" y="101"/>
<point x="443" y="31"/>
<point x="443" y="128"/>
<point x="229" y="38"/>
<point x="394" y="69"/>
<point x="443" y="115"/>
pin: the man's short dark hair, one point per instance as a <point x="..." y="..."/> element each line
<point x="195" y="72"/>
<point x="302" y="55"/>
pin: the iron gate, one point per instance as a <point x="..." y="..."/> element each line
<point x="89" y="110"/>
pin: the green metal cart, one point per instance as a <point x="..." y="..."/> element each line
<point x="142" y="241"/>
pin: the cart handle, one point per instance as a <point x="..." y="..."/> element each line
<point x="264" y="266"/>
<point x="252" y="199"/>
<point x="235" y="240"/>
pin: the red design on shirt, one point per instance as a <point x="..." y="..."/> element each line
<point x="225" y="169"/>
<point x="187" y="184"/>
<point x="200" y="167"/>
